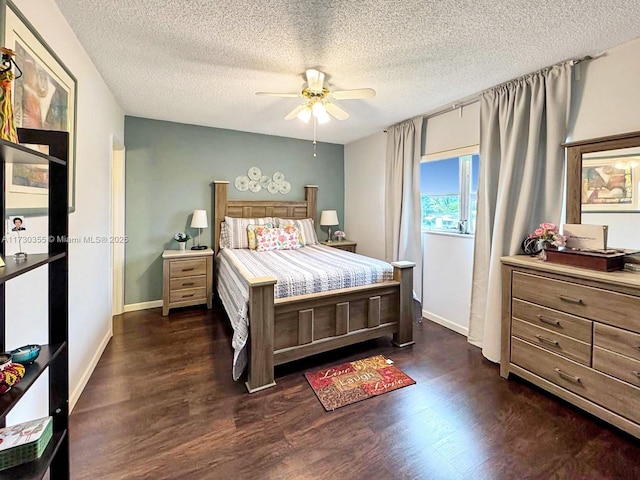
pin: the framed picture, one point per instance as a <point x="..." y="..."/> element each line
<point x="44" y="97"/>
<point x="610" y="184"/>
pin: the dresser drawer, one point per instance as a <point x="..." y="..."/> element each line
<point x="188" y="294"/>
<point x="187" y="268"/>
<point x="592" y="303"/>
<point x="565" y="346"/>
<point x="187" y="282"/>
<point x="617" y="340"/>
<point x="569" y="325"/>
<point x="600" y="388"/>
<point x="617" y="365"/>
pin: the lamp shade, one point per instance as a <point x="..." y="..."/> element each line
<point x="329" y="217"/>
<point x="199" y="219"/>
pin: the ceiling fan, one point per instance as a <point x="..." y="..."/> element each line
<point x="318" y="99"/>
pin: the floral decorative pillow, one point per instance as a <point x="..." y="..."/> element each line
<point x="252" y="232"/>
<point x="306" y="226"/>
<point x="285" y="238"/>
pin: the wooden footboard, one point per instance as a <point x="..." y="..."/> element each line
<point x="291" y="328"/>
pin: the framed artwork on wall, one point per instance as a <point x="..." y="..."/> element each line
<point x="610" y="184"/>
<point x="44" y="97"/>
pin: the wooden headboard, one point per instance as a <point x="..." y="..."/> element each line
<point x="222" y="207"/>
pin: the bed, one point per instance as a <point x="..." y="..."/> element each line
<point x="299" y="324"/>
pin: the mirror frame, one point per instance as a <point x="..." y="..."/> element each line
<point x="575" y="150"/>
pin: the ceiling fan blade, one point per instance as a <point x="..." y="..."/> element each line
<point x="315" y="80"/>
<point x="354" y="94"/>
<point x="294" y="113"/>
<point x="336" y="111"/>
<point x="286" y="95"/>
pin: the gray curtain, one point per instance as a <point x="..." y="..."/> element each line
<point x="522" y="126"/>
<point x="402" y="197"/>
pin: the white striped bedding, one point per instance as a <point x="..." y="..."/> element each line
<point x="312" y="269"/>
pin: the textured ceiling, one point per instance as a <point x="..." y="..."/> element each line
<point x="201" y="61"/>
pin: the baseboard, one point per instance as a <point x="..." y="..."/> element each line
<point x="75" y="395"/>
<point x="446" y="323"/>
<point x="134" y="307"/>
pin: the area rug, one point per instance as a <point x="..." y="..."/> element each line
<point x="352" y="382"/>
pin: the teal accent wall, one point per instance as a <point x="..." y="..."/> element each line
<point x="169" y="171"/>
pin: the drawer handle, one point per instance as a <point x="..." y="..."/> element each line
<point x="547" y="340"/>
<point x="548" y="321"/>
<point x="566" y="376"/>
<point x="186" y="284"/>
<point x="577" y="301"/>
<point x="187" y="296"/>
<point x="188" y="269"/>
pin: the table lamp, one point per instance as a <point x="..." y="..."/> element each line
<point x="329" y="218"/>
<point x="199" y="221"/>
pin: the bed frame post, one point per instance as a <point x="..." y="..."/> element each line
<point x="403" y="273"/>
<point x="220" y="192"/>
<point x="311" y="196"/>
<point x="261" y="329"/>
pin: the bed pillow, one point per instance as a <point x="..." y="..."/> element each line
<point x="253" y="230"/>
<point x="224" y="235"/>
<point x="306" y="227"/>
<point x="237" y="228"/>
<point x="284" y="238"/>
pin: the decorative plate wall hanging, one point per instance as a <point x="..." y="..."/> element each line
<point x="255" y="181"/>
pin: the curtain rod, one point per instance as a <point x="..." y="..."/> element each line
<point x="471" y="99"/>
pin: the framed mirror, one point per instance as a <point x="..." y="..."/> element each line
<point x="603" y="186"/>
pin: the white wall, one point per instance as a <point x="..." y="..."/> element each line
<point x="98" y="118"/>
<point x="447" y="274"/>
<point x="364" y="182"/>
<point x="606" y="101"/>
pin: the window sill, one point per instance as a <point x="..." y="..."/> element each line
<point x="448" y="234"/>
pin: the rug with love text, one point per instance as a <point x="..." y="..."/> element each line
<point x="351" y="382"/>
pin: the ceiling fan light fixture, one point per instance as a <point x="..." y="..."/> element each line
<point x="323" y="118"/>
<point x="319" y="109"/>
<point x="305" y="115"/>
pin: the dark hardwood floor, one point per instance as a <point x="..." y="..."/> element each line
<point x="161" y="404"/>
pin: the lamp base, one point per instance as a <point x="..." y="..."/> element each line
<point x="199" y="247"/>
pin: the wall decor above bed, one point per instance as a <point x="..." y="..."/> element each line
<point x="255" y="180"/>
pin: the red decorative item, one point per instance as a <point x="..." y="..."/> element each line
<point x="7" y="125"/>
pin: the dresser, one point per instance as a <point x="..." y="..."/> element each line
<point x="187" y="278"/>
<point x="346" y="245"/>
<point x="575" y="333"/>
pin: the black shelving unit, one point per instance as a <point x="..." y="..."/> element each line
<point x="54" y="355"/>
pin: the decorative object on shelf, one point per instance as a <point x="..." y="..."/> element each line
<point x="546" y="236"/>
<point x="182" y="238"/>
<point x="16" y="224"/>
<point x="10" y="373"/>
<point x="45" y="98"/>
<point x="530" y="246"/>
<point x="199" y="221"/>
<point x="24" y="442"/>
<point x="329" y="218"/>
<point x="7" y="123"/>
<point x="339" y="234"/>
<point x="2" y="264"/>
<point x="26" y="355"/>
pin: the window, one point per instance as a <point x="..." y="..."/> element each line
<point x="449" y="190"/>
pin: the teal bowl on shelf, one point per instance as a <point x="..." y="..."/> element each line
<point x="25" y="355"/>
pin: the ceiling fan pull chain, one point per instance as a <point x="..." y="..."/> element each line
<point x="315" y="123"/>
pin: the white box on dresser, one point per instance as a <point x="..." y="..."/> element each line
<point x="576" y="333"/>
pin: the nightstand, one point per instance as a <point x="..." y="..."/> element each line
<point x="187" y="278"/>
<point x="347" y="245"/>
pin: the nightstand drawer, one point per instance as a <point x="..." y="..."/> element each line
<point x="187" y="282"/>
<point x="188" y="294"/>
<point x="593" y="303"/>
<point x="187" y="268"/>
<point x="563" y="323"/>
<point x="567" y="347"/>
<point x="617" y="340"/>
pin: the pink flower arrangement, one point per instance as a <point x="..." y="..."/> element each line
<point x="548" y="232"/>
